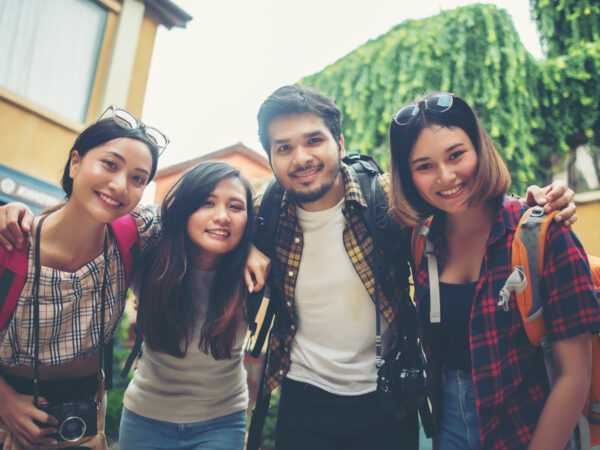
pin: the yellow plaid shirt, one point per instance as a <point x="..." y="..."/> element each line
<point x="359" y="246"/>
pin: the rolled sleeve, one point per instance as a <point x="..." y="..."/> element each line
<point x="149" y="224"/>
<point x="566" y="284"/>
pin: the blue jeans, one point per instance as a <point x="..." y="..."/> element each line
<point x="459" y="424"/>
<point x="139" y="432"/>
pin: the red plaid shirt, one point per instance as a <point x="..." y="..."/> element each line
<point x="508" y="372"/>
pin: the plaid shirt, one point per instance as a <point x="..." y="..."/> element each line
<point x="508" y="372"/>
<point x="288" y="251"/>
<point x="71" y="304"/>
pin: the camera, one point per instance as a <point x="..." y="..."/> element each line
<point x="401" y="387"/>
<point x="75" y="420"/>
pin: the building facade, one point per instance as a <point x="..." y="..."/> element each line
<point x="253" y="165"/>
<point x="61" y="64"/>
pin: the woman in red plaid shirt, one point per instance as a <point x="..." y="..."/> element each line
<point x="486" y="381"/>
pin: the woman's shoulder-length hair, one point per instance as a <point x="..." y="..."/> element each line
<point x="492" y="177"/>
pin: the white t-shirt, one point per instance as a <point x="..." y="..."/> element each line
<point x="334" y="347"/>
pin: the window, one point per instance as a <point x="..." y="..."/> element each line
<point x="49" y="52"/>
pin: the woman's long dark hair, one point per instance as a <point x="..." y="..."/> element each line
<point x="166" y="312"/>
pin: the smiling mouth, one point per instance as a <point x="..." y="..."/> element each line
<point x="450" y="192"/>
<point x="220" y="233"/>
<point x="109" y="200"/>
<point x="305" y="173"/>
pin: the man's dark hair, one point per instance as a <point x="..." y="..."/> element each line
<point x="297" y="99"/>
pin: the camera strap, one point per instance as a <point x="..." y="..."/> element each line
<point x="36" y="311"/>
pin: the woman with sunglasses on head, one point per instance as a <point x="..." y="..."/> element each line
<point x="189" y="389"/>
<point x="74" y="292"/>
<point x="486" y="381"/>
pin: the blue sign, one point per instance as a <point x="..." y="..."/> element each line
<point x="16" y="186"/>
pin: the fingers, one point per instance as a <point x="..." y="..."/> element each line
<point x="259" y="280"/>
<point x="567" y="216"/>
<point x="257" y="269"/>
<point x="27" y="221"/>
<point x="536" y="196"/>
<point x="14" y="219"/>
<point x="248" y="280"/>
<point x="5" y="243"/>
<point x="31" y="426"/>
<point x="561" y="197"/>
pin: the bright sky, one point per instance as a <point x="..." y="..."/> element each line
<point x="208" y="80"/>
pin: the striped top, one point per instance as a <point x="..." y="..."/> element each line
<point x="71" y="305"/>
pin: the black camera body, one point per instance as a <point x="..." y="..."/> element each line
<point x="75" y="420"/>
<point x="401" y="388"/>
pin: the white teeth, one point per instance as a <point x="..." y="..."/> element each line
<point x="219" y="232"/>
<point x="452" y="191"/>
<point x="109" y="200"/>
<point x="307" y="173"/>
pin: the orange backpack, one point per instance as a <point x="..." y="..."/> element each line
<point x="527" y="263"/>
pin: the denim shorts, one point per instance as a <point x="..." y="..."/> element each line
<point x="459" y="423"/>
<point x="223" y="433"/>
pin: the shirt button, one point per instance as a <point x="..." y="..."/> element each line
<point x="281" y="372"/>
<point x="289" y="303"/>
<point x="297" y="240"/>
<point x="292" y="327"/>
<point x="290" y="273"/>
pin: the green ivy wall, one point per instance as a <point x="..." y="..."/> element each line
<point x="528" y="107"/>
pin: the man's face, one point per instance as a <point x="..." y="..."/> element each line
<point x="305" y="158"/>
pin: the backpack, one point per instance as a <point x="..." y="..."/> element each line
<point x="13" y="274"/>
<point x="527" y="259"/>
<point x="385" y="236"/>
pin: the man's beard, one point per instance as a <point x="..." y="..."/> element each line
<point x="319" y="192"/>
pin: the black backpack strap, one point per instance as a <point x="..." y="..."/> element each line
<point x="264" y="239"/>
<point x="136" y="351"/>
<point x="108" y="364"/>
<point x="260" y="410"/>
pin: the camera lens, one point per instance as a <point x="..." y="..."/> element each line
<point x="72" y="428"/>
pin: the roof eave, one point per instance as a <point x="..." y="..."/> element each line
<point x="170" y="13"/>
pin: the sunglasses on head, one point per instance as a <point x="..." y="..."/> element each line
<point x="440" y="102"/>
<point x="128" y="121"/>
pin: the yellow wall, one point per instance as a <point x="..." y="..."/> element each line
<point x="141" y="65"/>
<point x="36" y="141"/>
<point x="33" y="144"/>
<point x="587" y="226"/>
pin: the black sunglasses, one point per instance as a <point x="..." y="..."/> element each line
<point x="440" y="102"/>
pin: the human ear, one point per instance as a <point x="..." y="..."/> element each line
<point x="342" y="148"/>
<point x="74" y="163"/>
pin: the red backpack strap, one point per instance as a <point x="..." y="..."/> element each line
<point x="126" y="234"/>
<point x="13" y="272"/>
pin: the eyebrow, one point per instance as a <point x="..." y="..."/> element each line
<point x="120" y="157"/>
<point x="305" y="135"/>
<point x="235" y="199"/>
<point x="425" y="158"/>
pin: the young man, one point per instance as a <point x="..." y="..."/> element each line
<point x="322" y="349"/>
